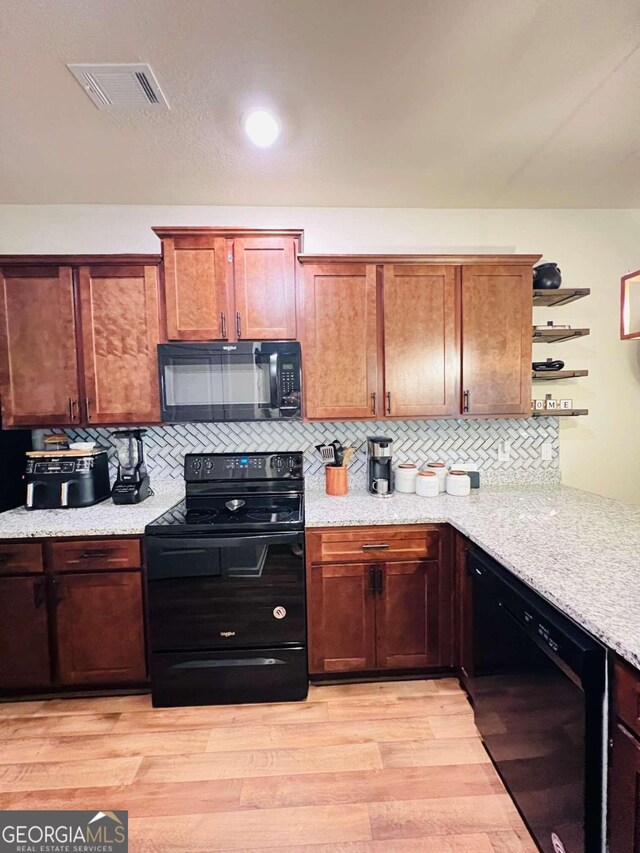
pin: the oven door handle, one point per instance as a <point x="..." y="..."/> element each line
<point x="274" y="385"/>
<point x="216" y="543"/>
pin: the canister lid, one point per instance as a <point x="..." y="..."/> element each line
<point x="435" y="464"/>
<point x="427" y="474"/>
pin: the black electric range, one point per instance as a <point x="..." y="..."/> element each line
<point x="225" y="584"/>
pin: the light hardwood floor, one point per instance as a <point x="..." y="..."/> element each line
<point x="356" y="768"/>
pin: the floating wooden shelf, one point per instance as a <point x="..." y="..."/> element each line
<point x="560" y="413"/>
<point x="561" y="296"/>
<point x="551" y="336"/>
<point x="548" y="375"/>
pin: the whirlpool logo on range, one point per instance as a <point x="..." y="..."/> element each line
<point x="64" y="832"/>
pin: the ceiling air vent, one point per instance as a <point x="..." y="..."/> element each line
<point x="117" y="86"/>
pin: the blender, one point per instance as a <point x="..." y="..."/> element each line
<point x="132" y="484"/>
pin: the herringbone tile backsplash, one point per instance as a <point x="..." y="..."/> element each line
<point x="419" y="441"/>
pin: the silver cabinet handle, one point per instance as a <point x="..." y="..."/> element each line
<point x="238" y="333"/>
<point x="87" y="403"/>
<point x="465" y="401"/>
<point x="378" y="546"/>
<point x="71" y="409"/>
<point x="388" y="402"/>
<point x="223" y="324"/>
<point x="374" y="407"/>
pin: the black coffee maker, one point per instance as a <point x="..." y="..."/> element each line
<point x="380" y="466"/>
<point x="132" y="484"/>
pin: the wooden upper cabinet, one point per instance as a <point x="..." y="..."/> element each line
<point x="197" y="269"/>
<point x="264" y="287"/>
<point x="120" y="333"/>
<point x="38" y="362"/>
<point x="340" y="341"/>
<point x="496" y="339"/>
<point x="421" y="341"/>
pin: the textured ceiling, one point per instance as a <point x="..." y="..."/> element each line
<point x="422" y="103"/>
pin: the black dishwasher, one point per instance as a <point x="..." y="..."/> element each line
<point x="537" y="684"/>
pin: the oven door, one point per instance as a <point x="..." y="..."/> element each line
<point x="225" y="592"/>
<point x="245" y="381"/>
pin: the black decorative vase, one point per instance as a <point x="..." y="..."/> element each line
<point x="546" y="277"/>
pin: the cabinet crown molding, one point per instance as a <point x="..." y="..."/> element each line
<point x="163" y="231"/>
<point x="502" y="260"/>
<point x="79" y="260"/>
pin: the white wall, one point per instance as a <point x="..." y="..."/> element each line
<point x="594" y="248"/>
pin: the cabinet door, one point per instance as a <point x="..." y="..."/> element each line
<point x="38" y="362"/>
<point x="24" y="641"/>
<point x="120" y="334"/>
<point x="408" y="615"/>
<point x="196" y="285"/>
<point x="496" y="340"/>
<point x="421" y="342"/>
<point x="340" y="347"/>
<point x="341" y="618"/>
<point x="624" y="793"/>
<point x="264" y="287"/>
<point x="99" y="628"/>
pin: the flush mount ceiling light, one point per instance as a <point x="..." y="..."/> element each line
<point x="262" y="127"/>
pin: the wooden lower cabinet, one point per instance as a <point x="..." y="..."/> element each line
<point x="64" y="623"/>
<point x="99" y="633"/>
<point x="342" y="635"/>
<point x="624" y="793"/>
<point x="407" y="615"/>
<point x="368" y="616"/>
<point x="24" y="633"/>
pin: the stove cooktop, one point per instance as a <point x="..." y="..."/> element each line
<point x="231" y="514"/>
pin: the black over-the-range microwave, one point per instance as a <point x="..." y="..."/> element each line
<point x="243" y="381"/>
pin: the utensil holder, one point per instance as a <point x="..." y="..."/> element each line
<point x="336" y="480"/>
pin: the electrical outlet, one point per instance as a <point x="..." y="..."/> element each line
<point x="546" y="451"/>
<point x="504" y="450"/>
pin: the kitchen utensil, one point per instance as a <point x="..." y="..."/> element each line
<point x="80" y="445"/>
<point x="427" y="484"/>
<point x="327" y="453"/>
<point x="336" y="480"/>
<point x="348" y="456"/>
<point x="547" y="277"/>
<point x="338" y="451"/>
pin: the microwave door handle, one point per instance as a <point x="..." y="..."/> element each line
<point x="273" y="381"/>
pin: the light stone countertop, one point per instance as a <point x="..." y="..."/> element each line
<point x="103" y="519"/>
<point x="578" y="550"/>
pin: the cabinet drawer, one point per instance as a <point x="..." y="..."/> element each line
<point x="18" y="558"/>
<point x="627" y="695"/>
<point x="373" y="544"/>
<point x="90" y="554"/>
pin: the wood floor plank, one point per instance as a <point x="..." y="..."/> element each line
<point x="97" y="704"/>
<point x="260" y="762"/>
<point x="75" y="748"/>
<point x="512" y="841"/>
<point x="68" y="774"/>
<point x="389" y="707"/>
<point x="45" y="726"/>
<point x="433" y="753"/>
<point x="476" y="843"/>
<point x="227" y="738"/>
<point x="141" y="800"/>
<point x="273" y="828"/>
<point x="445" y="816"/>
<point x="405" y="783"/>
<point x="453" y="725"/>
<point x="20" y="709"/>
<point x="168" y="719"/>
<point x="417" y="687"/>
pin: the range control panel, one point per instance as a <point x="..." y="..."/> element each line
<point x="199" y="467"/>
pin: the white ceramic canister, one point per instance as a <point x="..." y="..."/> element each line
<point x="441" y="471"/>
<point x="427" y="485"/>
<point x="458" y="483"/>
<point x="405" y="477"/>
